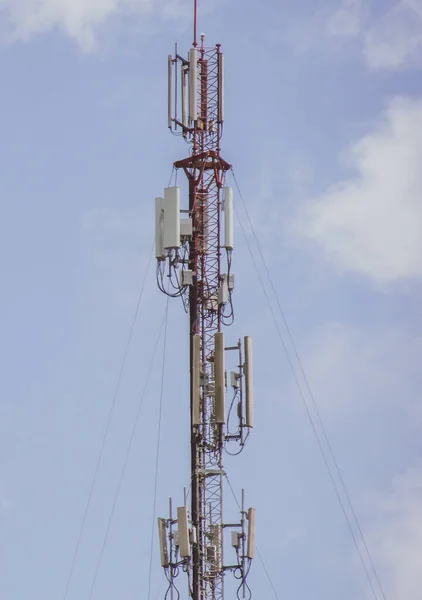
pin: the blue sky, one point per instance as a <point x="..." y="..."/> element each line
<point x="323" y="127"/>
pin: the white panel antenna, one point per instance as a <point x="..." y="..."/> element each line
<point x="159" y="229"/>
<point x="251" y="533"/>
<point x="219" y="377"/>
<point x="196" y="375"/>
<point x="193" y="61"/>
<point x="171" y="217"/>
<point x="228" y="218"/>
<point x="183" y="530"/>
<point x="162" y="536"/>
<point x="248" y="381"/>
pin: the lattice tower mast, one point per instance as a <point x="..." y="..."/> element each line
<point x="194" y="254"/>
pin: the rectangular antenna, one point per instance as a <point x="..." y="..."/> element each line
<point x="169" y="84"/>
<point x="228" y="218"/>
<point x="159" y="231"/>
<point x="196" y="374"/>
<point x="220" y="88"/>
<point x="162" y="536"/>
<point x="251" y="533"/>
<point x="219" y="377"/>
<point x="183" y="530"/>
<point x="171" y="217"/>
<point x="248" y="381"/>
<point x="193" y="84"/>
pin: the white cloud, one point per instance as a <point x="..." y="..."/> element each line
<point x="395" y="40"/>
<point x="371" y="223"/>
<point x="79" y="19"/>
<point x="396" y="539"/>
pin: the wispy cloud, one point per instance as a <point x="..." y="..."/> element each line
<point x="371" y="223"/>
<point x="78" y="19"/>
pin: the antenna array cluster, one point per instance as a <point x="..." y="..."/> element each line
<point x="177" y="537"/>
<point x="185" y="78"/>
<point x="173" y="236"/>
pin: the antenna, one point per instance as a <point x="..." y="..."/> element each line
<point x="248" y="381"/>
<point x="194" y="246"/>
<point x="171" y="225"/>
<point x="228" y="218"/>
<point x="251" y="533"/>
<point x="219" y="377"/>
<point x="193" y="66"/>
<point x="182" y="522"/>
<point x="162" y="535"/>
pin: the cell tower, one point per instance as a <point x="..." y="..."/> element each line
<point x="194" y="258"/>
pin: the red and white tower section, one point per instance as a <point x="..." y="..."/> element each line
<point x="194" y="246"/>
